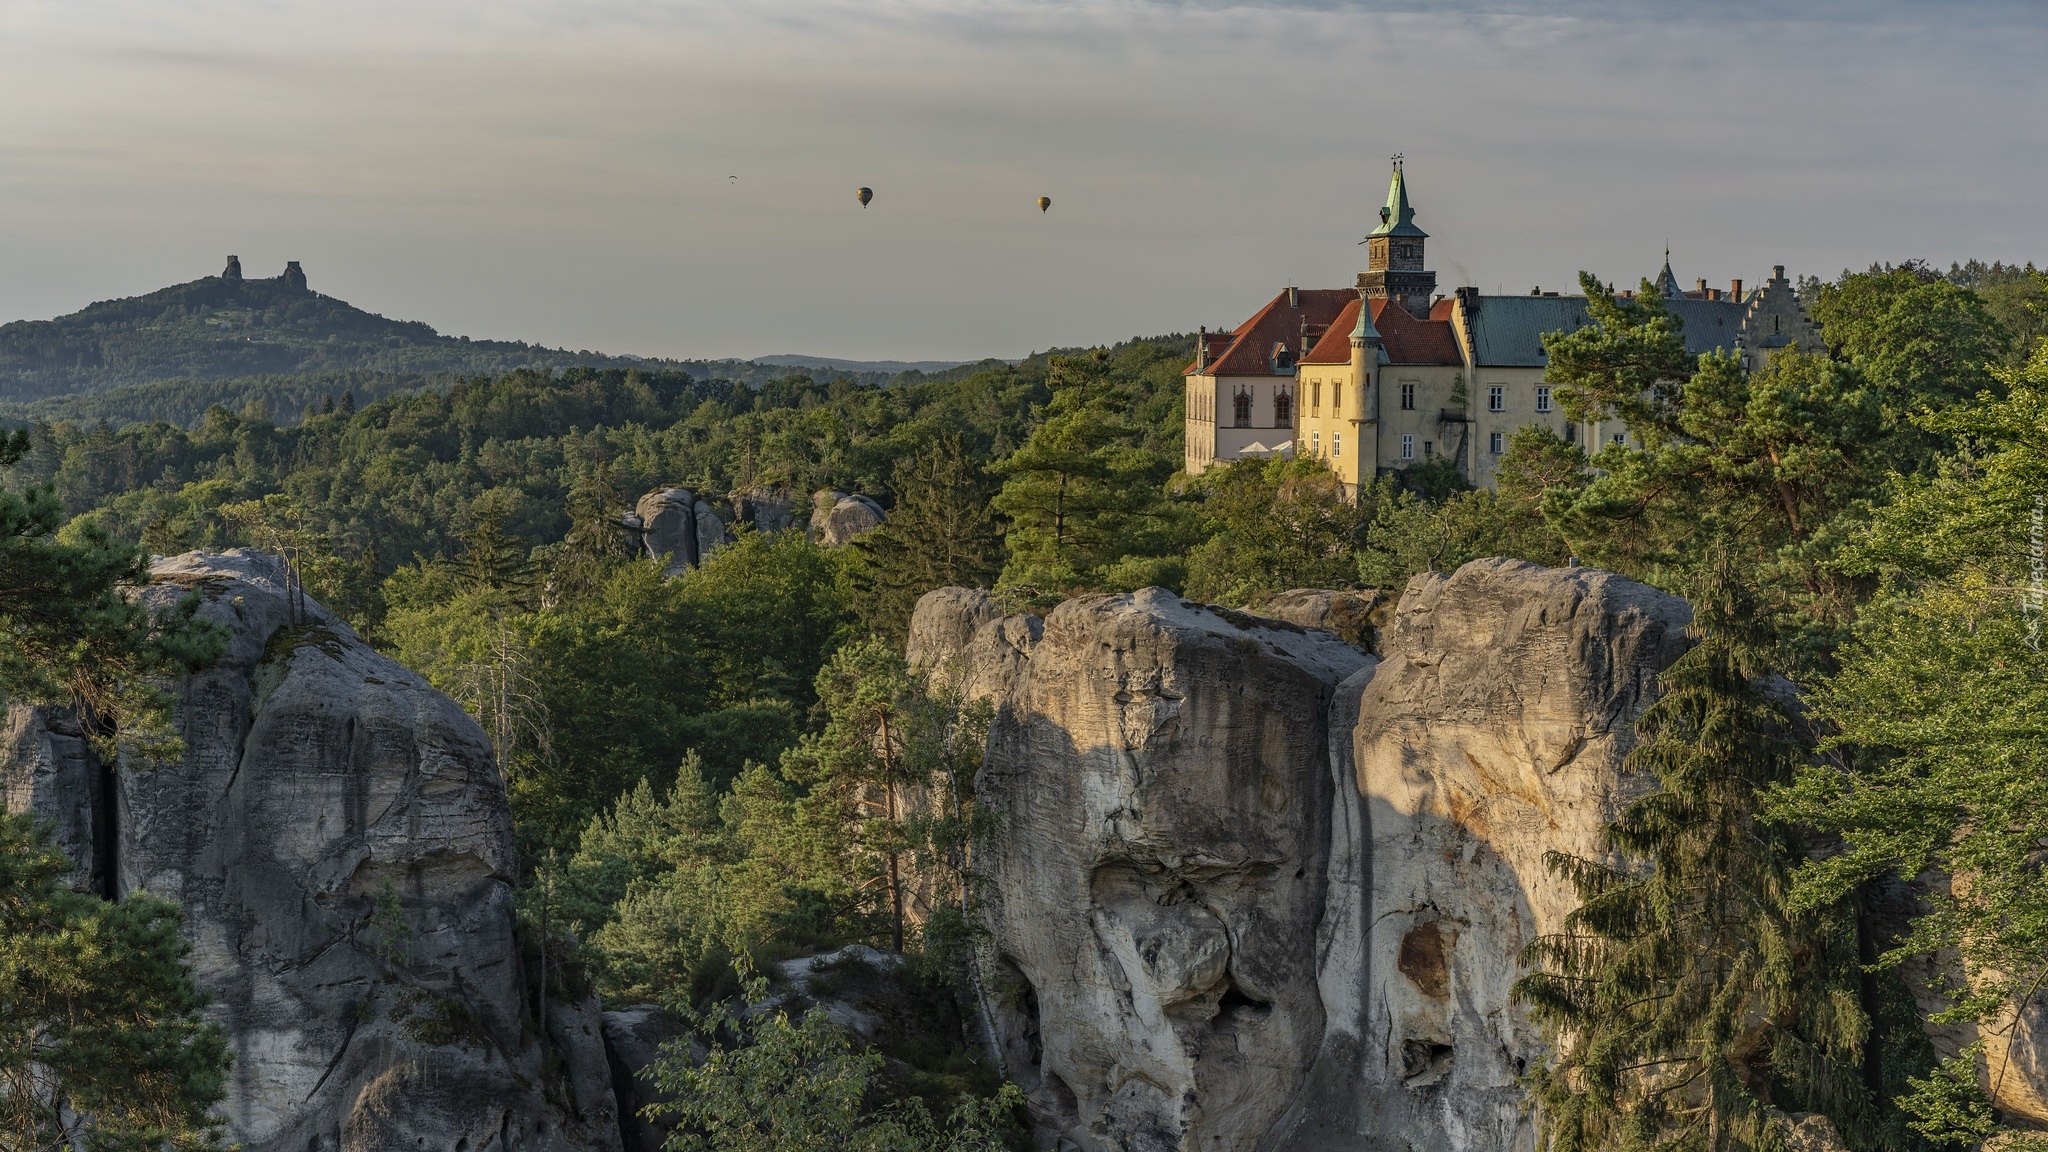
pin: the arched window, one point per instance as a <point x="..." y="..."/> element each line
<point x="1241" y="409"/>
<point x="1283" y="410"/>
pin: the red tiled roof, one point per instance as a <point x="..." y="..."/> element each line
<point x="1249" y="350"/>
<point x="1406" y="339"/>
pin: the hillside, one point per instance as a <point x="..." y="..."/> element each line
<point x="225" y="327"/>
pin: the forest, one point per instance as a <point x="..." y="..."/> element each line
<point x="692" y="760"/>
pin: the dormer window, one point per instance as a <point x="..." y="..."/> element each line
<point x="1283" y="361"/>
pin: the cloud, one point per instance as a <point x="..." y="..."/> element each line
<point x="559" y="170"/>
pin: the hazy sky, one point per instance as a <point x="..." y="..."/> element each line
<point x="561" y="170"/>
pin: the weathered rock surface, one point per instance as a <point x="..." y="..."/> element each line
<point x="1493" y="731"/>
<point x="679" y="529"/>
<point x="1160" y="773"/>
<point x="836" y="518"/>
<point x="1353" y="616"/>
<point x="340" y="843"/>
<point x="1254" y="889"/>
<point x="763" y="509"/>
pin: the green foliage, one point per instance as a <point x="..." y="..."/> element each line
<point x="1924" y="342"/>
<point x="1085" y="496"/>
<point x="102" y="1044"/>
<point x="1685" y="999"/>
<point x="767" y="1083"/>
<point x="1408" y="533"/>
<point x="1629" y="362"/>
<point x="941" y="532"/>
<point x="1273" y="525"/>
<point x="1949" y="1106"/>
<point x="68" y="634"/>
<point x="1939" y="707"/>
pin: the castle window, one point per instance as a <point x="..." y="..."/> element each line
<point x="1336" y="397"/>
<point x="1315" y="443"/>
<point x="1283" y="410"/>
<point x="1241" y="407"/>
<point x="1407" y="397"/>
<point x="1429" y="448"/>
<point x="1620" y="438"/>
<point x="1496" y="442"/>
<point x="1337" y="445"/>
<point x="1543" y="397"/>
<point x="1496" y="398"/>
<point x="1407" y="446"/>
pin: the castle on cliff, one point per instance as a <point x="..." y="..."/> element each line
<point x="1388" y="374"/>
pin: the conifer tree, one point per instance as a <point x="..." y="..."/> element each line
<point x="1085" y="497"/>
<point x="1685" y="997"/>
<point x="941" y="532"/>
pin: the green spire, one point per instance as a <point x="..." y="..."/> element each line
<point x="1364" y="330"/>
<point x="1397" y="218"/>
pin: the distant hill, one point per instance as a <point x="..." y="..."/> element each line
<point x="889" y="366"/>
<point x="283" y="348"/>
<point x="223" y="328"/>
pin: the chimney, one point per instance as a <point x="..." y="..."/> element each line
<point x="1735" y="289"/>
<point x="1536" y="291"/>
<point x="1713" y="293"/>
<point x="1701" y="287"/>
<point x="1202" y="348"/>
<point x="1777" y="271"/>
<point x="1293" y="296"/>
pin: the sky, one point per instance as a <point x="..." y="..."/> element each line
<point x="677" y="178"/>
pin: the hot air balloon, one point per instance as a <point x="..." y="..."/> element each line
<point x="866" y="194"/>
<point x="1044" y="202"/>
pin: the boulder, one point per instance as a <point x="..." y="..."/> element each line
<point x="678" y="529"/>
<point x="1354" y="616"/>
<point x="1159" y="772"/>
<point x="338" y="838"/>
<point x="836" y="518"/>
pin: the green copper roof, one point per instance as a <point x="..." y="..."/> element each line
<point x="1364" y="330"/>
<point x="1397" y="218"/>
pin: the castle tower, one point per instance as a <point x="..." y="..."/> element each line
<point x="1393" y="254"/>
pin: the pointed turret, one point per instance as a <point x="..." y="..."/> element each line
<point x="1393" y="254"/>
<point x="1363" y="332"/>
<point x="1667" y="284"/>
<point x="1397" y="218"/>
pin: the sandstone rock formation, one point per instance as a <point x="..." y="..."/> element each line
<point x="1253" y="889"/>
<point x="1159" y="770"/>
<point x="678" y="529"/>
<point x="1493" y="731"/>
<point x="340" y="843"/>
<point x="765" y="510"/>
<point x="1355" y="617"/>
<point x="836" y="518"/>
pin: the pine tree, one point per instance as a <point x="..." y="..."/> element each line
<point x="1085" y="495"/>
<point x="1685" y="997"/>
<point x="102" y="1044"/>
<point x="941" y="532"/>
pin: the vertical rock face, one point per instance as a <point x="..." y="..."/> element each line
<point x="1253" y="889"/>
<point x="1159" y="773"/>
<point x="1492" y="732"/>
<point x="679" y="529"/>
<point x="339" y="841"/>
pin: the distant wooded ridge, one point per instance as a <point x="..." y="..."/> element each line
<point x="277" y="346"/>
